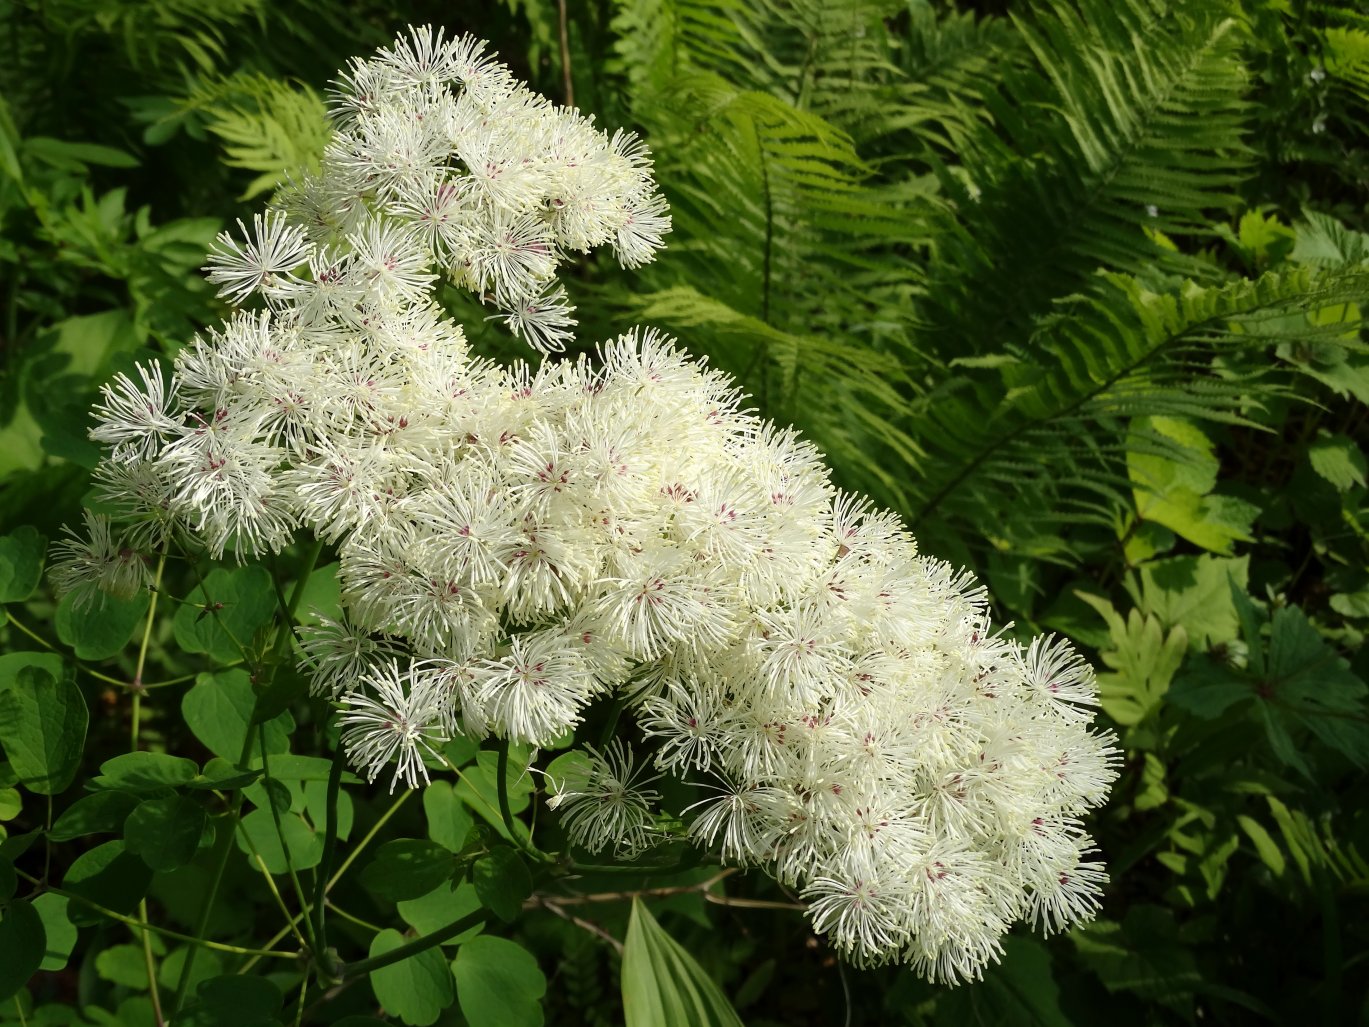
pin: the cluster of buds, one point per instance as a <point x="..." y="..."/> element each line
<point x="515" y="543"/>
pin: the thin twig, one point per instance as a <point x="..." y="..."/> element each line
<point x="587" y="925"/>
<point x="566" y="81"/>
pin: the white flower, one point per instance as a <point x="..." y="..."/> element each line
<point x="394" y="717"/>
<point x="263" y="261"/>
<point x="611" y="807"/>
<point x="134" y="420"/>
<point x="101" y="563"/>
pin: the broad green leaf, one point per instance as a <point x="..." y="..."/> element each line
<point x="103" y="812"/>
<point x="21" y="563"/>
<point x="477" y="787"/>
<point x="241" y="601"/>
<point x="1339" y="460"/>
<point x="444" y="905"/>
<point x="108" y="876"/>
<point x="218" y="710"/>
<point x="220" y="774"/>
<point x="145" y="772"/>
<point x="11" y="804"/>
<point x="503" y="881"/>
<point x="449" y="820"/>
<point x="124" y="965"/>
<point x="416" y="989"/>
<point x="165" y="832"/>
<point x="305" y="844"/>
<point x="22" y="947"/>
<point x="406" y="868"/>
<point x="499" y="984"/>
<point x="663" y="984"/>
<point x="43" y="729"/>
<point x="100" y="629"/>
<point x="1193" y="592"/>
<point x="322" y="595"/>
<point x="58" y="930"/>
<point x="237" y="1000"/>
<point x="207" y="965"/>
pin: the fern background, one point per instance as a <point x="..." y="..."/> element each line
<point x="1076" y="286"/>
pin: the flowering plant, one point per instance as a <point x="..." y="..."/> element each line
<point x="518" y="543"/>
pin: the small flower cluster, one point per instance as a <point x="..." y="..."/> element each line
<point x="441" y="159"/>
<point x="515" y="543"/>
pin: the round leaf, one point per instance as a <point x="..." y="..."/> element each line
<point x="22" y="946"/>
<point x="165" y="832"/>
<point x="43" y="729"/>
<point x="499" y="983"/>
<point x="416" y="989"/>
<point x="503" y="881"/>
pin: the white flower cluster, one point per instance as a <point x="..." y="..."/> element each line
<point x="517" y="542"/>
<point x="441" y="160"/>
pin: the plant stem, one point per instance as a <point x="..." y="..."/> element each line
<point x="151" y="965"/>
<point x="163" y="931"/>
<point x="284" y="847"/>
<point x="329" y="850"/>
<point x="136" y="686"/>
<point x="413" y="948"/>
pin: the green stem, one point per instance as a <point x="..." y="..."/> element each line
<point x="365" y="966"/>
<point x="151" y="965"/>
<point x="163" y="931"/>
<point x="48" y="645"/>
<point x="284" y="848"/>
<point x="502" y="788"/>
<point x="329" y="849"/>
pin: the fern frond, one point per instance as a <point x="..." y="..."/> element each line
<point x="1121" y="353"/>
<point x="266" y="125"/>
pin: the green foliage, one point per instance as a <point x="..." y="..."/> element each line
<point x="1075" y="287"/>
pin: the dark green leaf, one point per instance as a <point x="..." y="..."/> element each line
<point x="22" y="947"/>
<point x="43" y="729"/>
<point x="21" y="563"/>
<point x="241" y="602"/>
<point x="109" y="877"/>
<point x="499" y="983"/>
<point x="238" y="1000"/>
<point x="145" y="772"/>
<point x="416" y="989"/>
<point x="218" y="710"/>
<point x="406" y="868"/>
<point x="449" y="821"/>
<point x="165" y="832"/>
<point x="502" y="881"/>
<point x="444" y="905"/>
<point x="100" y="629"/>
<point x="123" y="964"/>
<point x="103" y="812"/>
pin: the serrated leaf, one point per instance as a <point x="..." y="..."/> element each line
<point x="503" y="881"/>
<point x="663" y="984"/>
<point x="416" y="989"/>
<point x="1339" y="460"/>
<point x="43" y="729"/>
<point x="499" y="984"/>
